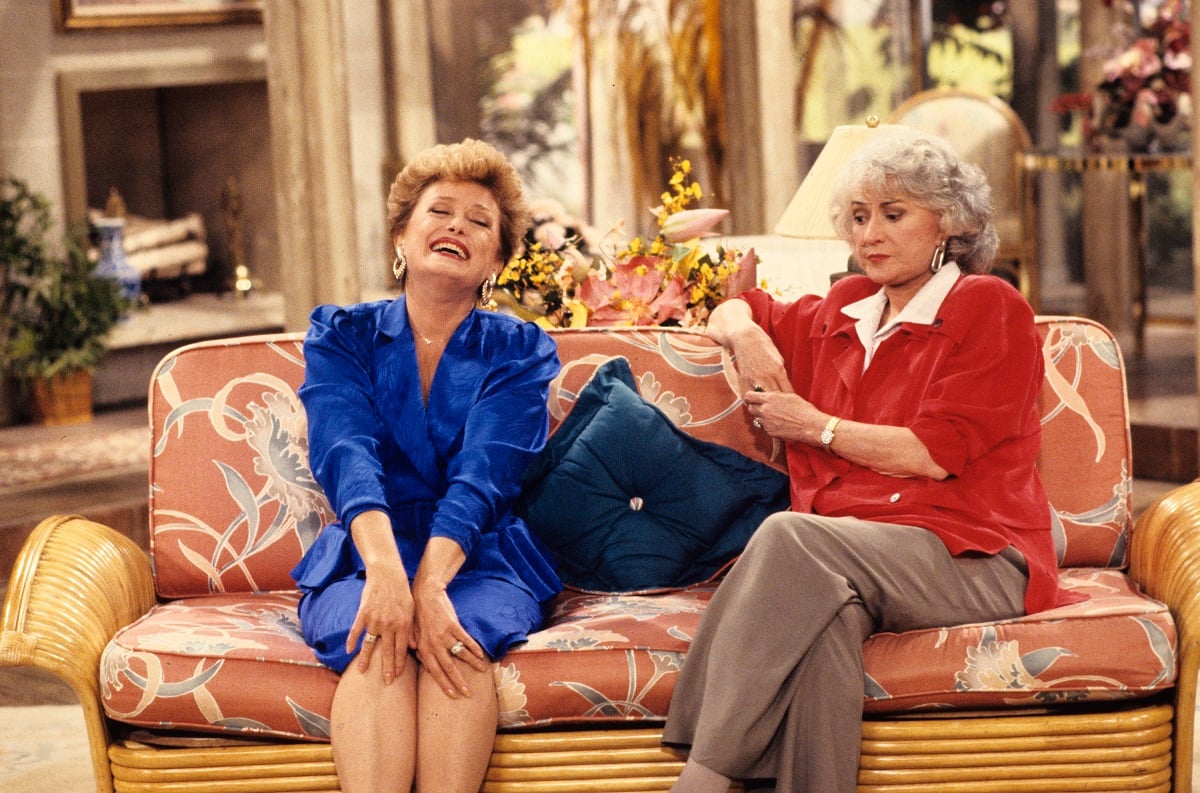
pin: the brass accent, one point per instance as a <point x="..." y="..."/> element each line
<point x="231" y="203"/>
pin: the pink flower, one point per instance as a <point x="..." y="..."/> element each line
<point x="552" y="235"/>
<point x="1139" y="61"/>
<point x="636" y="293"/>
<point x="1144" y="105"/>
<point x="691" y="223"/>
<point x="746" y="275"/>
<point x="1180" y="61"/>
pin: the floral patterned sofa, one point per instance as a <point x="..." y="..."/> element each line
<point x="193" y="676"/>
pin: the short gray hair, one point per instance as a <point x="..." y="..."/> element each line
<point x="926" y="170"/>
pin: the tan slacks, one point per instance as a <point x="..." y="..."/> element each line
<point x="772" y="687"/>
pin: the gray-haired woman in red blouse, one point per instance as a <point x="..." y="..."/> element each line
<point x="907" y="401"/>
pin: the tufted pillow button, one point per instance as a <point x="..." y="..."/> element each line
<point x="635" y="503"/>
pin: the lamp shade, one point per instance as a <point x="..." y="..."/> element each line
<point x="807" y="216"/>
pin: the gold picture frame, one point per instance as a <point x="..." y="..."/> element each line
<point x="100" y="14"/>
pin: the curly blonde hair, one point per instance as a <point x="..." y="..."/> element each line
<point x="469" y="161"/>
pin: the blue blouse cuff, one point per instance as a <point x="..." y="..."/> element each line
<point x="465" y="536"/>
<point x="352" y="511"/>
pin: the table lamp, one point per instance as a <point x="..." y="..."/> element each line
<point x="822" y="253"/>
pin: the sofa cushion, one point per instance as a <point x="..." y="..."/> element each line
<point x="237" y="665"/>
<point x="601" y="658"/>
<point x="233" y="504"/>
<point x="1117" y="644"/>
<point x="225" y="663"/>
<point x="627" y="501"/>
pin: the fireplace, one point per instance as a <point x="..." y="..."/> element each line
<point x="170" y="138"/>
<point x="173" y="140"/>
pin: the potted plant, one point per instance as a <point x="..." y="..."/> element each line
<point x="55" y="310"/>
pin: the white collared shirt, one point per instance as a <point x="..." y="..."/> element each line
<point x="921" y="310"/>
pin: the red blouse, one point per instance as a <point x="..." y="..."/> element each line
<point x="967" y="385"/>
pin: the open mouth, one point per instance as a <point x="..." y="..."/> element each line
<point x="449" y="248"/>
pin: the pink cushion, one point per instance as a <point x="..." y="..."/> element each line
<point x="1116" y="645"/>
<point x="224" y="663"/>
<point x="686" y="375"/>
<point x="1086" y="454"/>
<point x="237" y="664"/>
<point x="232" y="500"/>
<point x="625" y="652"/>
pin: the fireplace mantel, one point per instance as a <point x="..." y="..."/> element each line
<point x="199" y="317"/>
<point x="74" y="83"/>
<point x="140" y="341"/>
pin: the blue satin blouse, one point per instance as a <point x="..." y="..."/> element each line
<point x="450" y="467"/>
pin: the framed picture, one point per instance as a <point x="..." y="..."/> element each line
<point x="93" y="14"/>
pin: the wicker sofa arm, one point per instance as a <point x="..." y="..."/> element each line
<point x="1165" y="561"/>
<point x="74" y="584"/>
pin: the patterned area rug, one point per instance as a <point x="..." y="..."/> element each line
<point x="43" y="749"/>
<point x="73" y="456"/>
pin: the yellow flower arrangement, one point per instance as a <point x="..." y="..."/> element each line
<point x="670" y="279"/>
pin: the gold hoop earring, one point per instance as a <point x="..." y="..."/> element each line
<point x="939" y="257"/>
<point x="485" y="292"/>
<point x="400" y="266"/>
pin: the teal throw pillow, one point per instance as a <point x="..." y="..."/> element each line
<point x="626" y="501"/>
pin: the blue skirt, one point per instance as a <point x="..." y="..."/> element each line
<point x="494" y="605"/>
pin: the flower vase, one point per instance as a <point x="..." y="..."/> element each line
<point x="112" y="263"/>
<point x="1173" y="135"/>
<point x="1137" y="138"/>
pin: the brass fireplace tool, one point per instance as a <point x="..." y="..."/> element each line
<point x="231" y="201"/>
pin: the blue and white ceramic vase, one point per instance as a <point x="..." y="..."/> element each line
<point x="112" y="263"/>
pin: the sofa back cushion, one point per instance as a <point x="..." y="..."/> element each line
<point x="233" y="504"/>
<point x="232" y="499"/>
<point x="1086" y="454"/>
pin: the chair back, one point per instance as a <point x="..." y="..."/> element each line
<point x="233" y="503"/>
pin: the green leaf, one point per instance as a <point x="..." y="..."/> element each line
<point x="56" y="311"/>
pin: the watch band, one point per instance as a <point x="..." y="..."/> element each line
<point x="827" y="433"/>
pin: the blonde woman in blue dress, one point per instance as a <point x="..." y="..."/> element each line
<point x="423" y="412"/>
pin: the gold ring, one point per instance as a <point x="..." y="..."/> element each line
<point x="457" y="648"/>
<point x="371" y="638"/>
